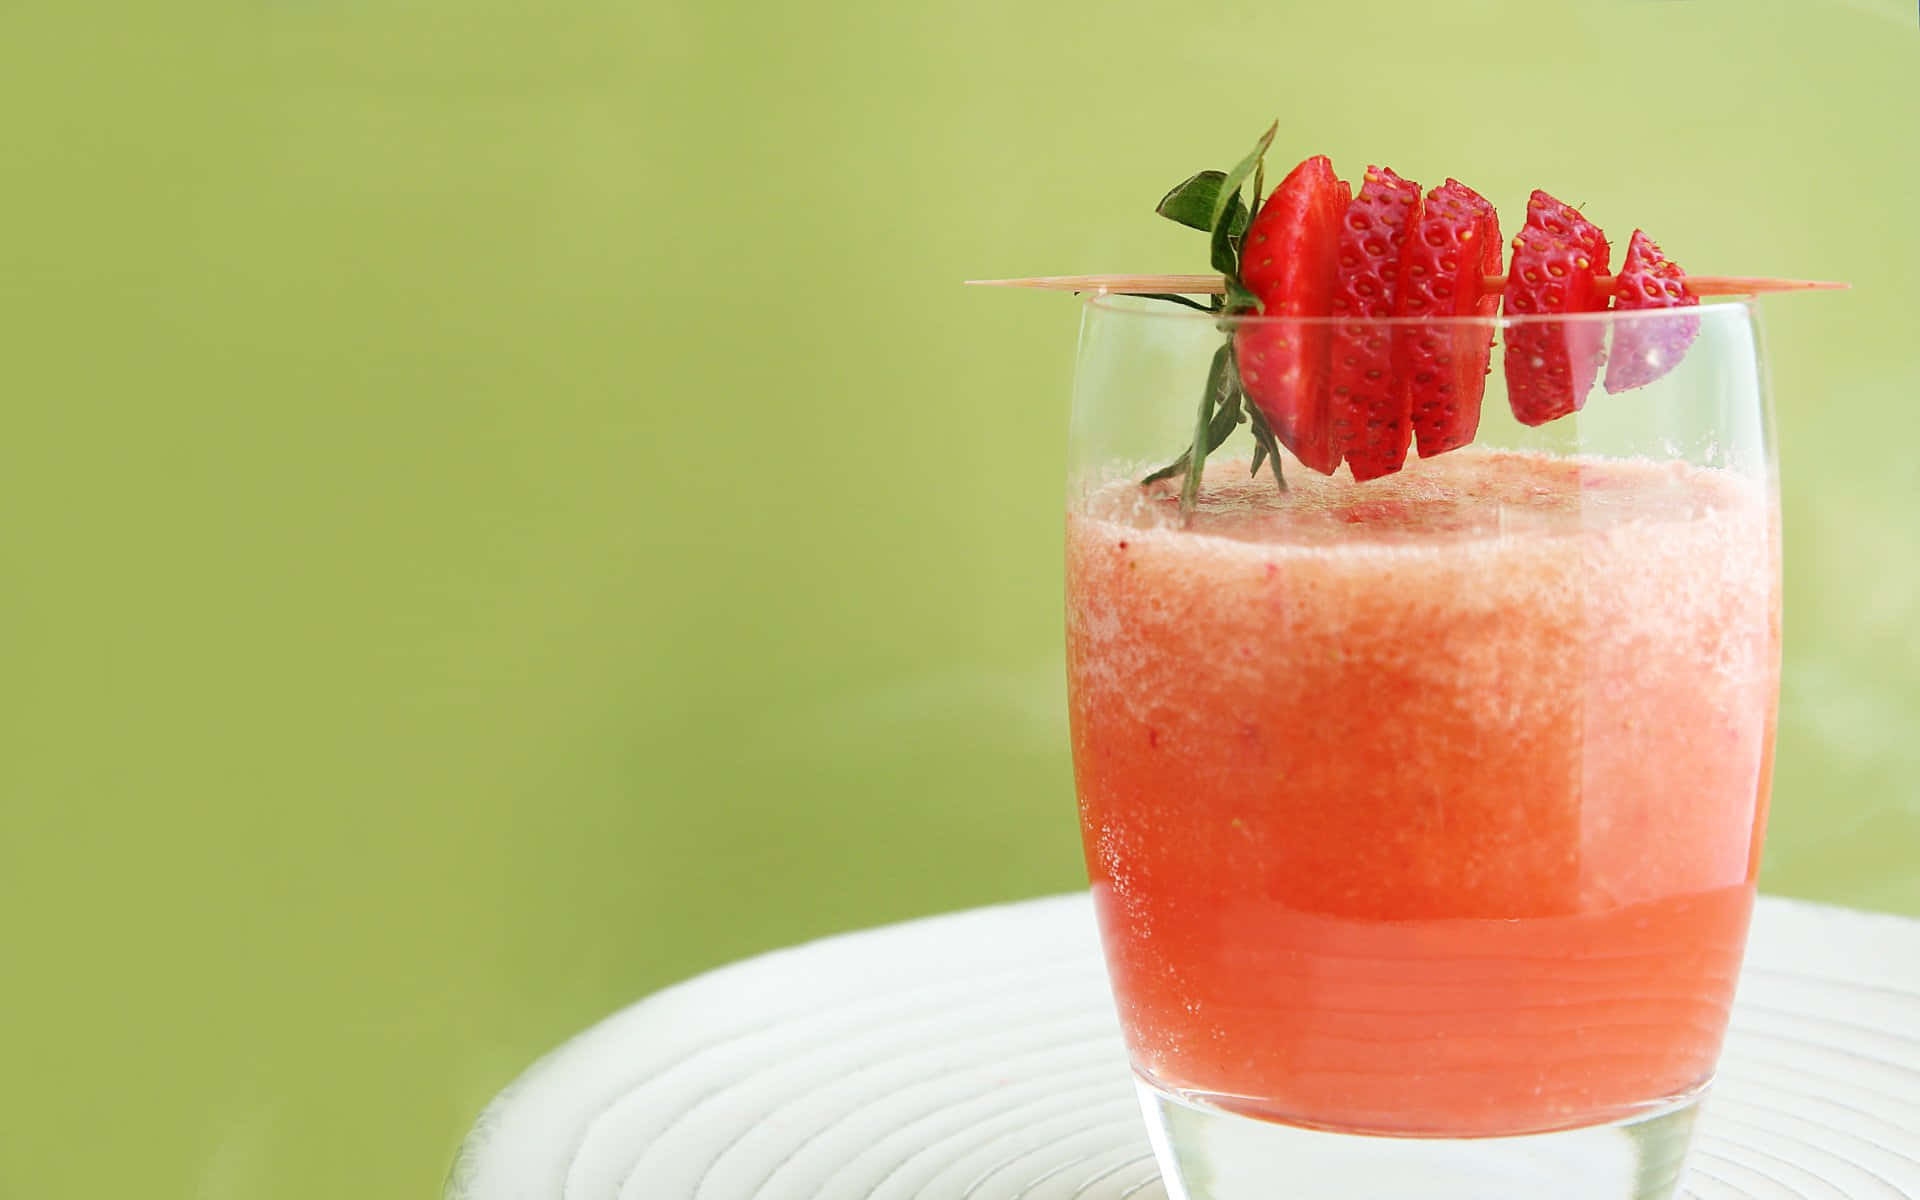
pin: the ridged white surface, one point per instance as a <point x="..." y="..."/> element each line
<point x="975" y="1057"/>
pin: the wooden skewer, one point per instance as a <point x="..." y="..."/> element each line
<point x="1214" y="285"/>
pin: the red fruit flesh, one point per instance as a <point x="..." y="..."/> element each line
<point x="1645" y="348"/>
<point x="1454" y="245"/>
<point x="1287" y="259"/>
<point x="1368" y="401"/>
<point x="1551" y="365"/>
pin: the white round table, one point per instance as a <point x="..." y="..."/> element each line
<point x="975" y="1057"/>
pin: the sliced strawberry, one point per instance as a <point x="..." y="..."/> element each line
<point x="1551" y="364"/>
<point x="1645" y="348"/>
<point x="1367" y="400"/>
<point x="1455" y="244"/>
<point x="1287" y="260"/>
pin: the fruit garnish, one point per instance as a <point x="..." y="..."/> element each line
<point x="1288" y="261"/>
<point x="1558" y="256"/>
<point x="1368" y="398"/>
<point x="1210" y="201"/>
<point x="1644" y="350"/>
<point x="1339" y="387"/>
<point x="1455" y="245"/>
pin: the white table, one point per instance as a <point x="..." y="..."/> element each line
<point x="975" y="1057"/>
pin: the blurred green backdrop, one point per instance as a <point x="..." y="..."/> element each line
<point x="507" y="505"/>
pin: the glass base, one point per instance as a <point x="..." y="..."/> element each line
<point x="1208" y="1153"/>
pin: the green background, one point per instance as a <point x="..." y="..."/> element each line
<point x="507" y="505"/>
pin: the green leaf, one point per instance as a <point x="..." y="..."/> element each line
<point x="1229" y="187"/>
<point x="1202" y="428"/>
<point x="1191" y="201"/>
<point x="1170" y="297"/>
<point x="1223" y="403"/>
<point x="1225" y="252"/>
<point x="1169" y="471"/>
<point x="1267" y="447"/>
<point x="1227" y="414"/>
<point x="1219" y="412"/>
<point x="1226" y="419"/>
<point x="1231" y="215"/>
<point x="1223" y="390"/>
<point x="1224" y="423"/>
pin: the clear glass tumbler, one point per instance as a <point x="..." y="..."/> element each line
<point x="1422" y="814"/>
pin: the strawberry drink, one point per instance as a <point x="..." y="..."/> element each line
<point x="1422" y="728"/>
<point x="1428" y="808"/>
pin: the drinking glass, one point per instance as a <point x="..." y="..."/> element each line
<point x="1422" y="814"/>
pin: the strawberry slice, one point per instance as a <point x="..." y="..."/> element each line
<point x="1645" y="348"/>
<point x="1367" y="398"/>
<point x="1551" y="364"/>
<point x="1287" y="259"/>
<point x="1455" y="243"/>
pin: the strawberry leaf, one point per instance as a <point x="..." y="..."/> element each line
<point x="1191" y="201"/>
<point x="1225" y="404"/>
<point x="1225" y="251"/>
<point x="1230" y="186"/>
<point x="1169" y="471"/>
<point x="1173" y="299"/>
<point x="1239" y="299"/>
<point x="1222" y="383"/>
<point x="1265" y="446"/>
<point x="1211" y="201"/>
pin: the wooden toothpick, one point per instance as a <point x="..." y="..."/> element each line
<point x="1214" y="285"/>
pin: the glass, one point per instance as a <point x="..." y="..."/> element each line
<point x="1422" y="814"/>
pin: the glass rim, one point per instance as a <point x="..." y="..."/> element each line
<point x="1134" y="305"/>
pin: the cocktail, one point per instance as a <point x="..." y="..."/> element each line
<point x="1422" y="728"/>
